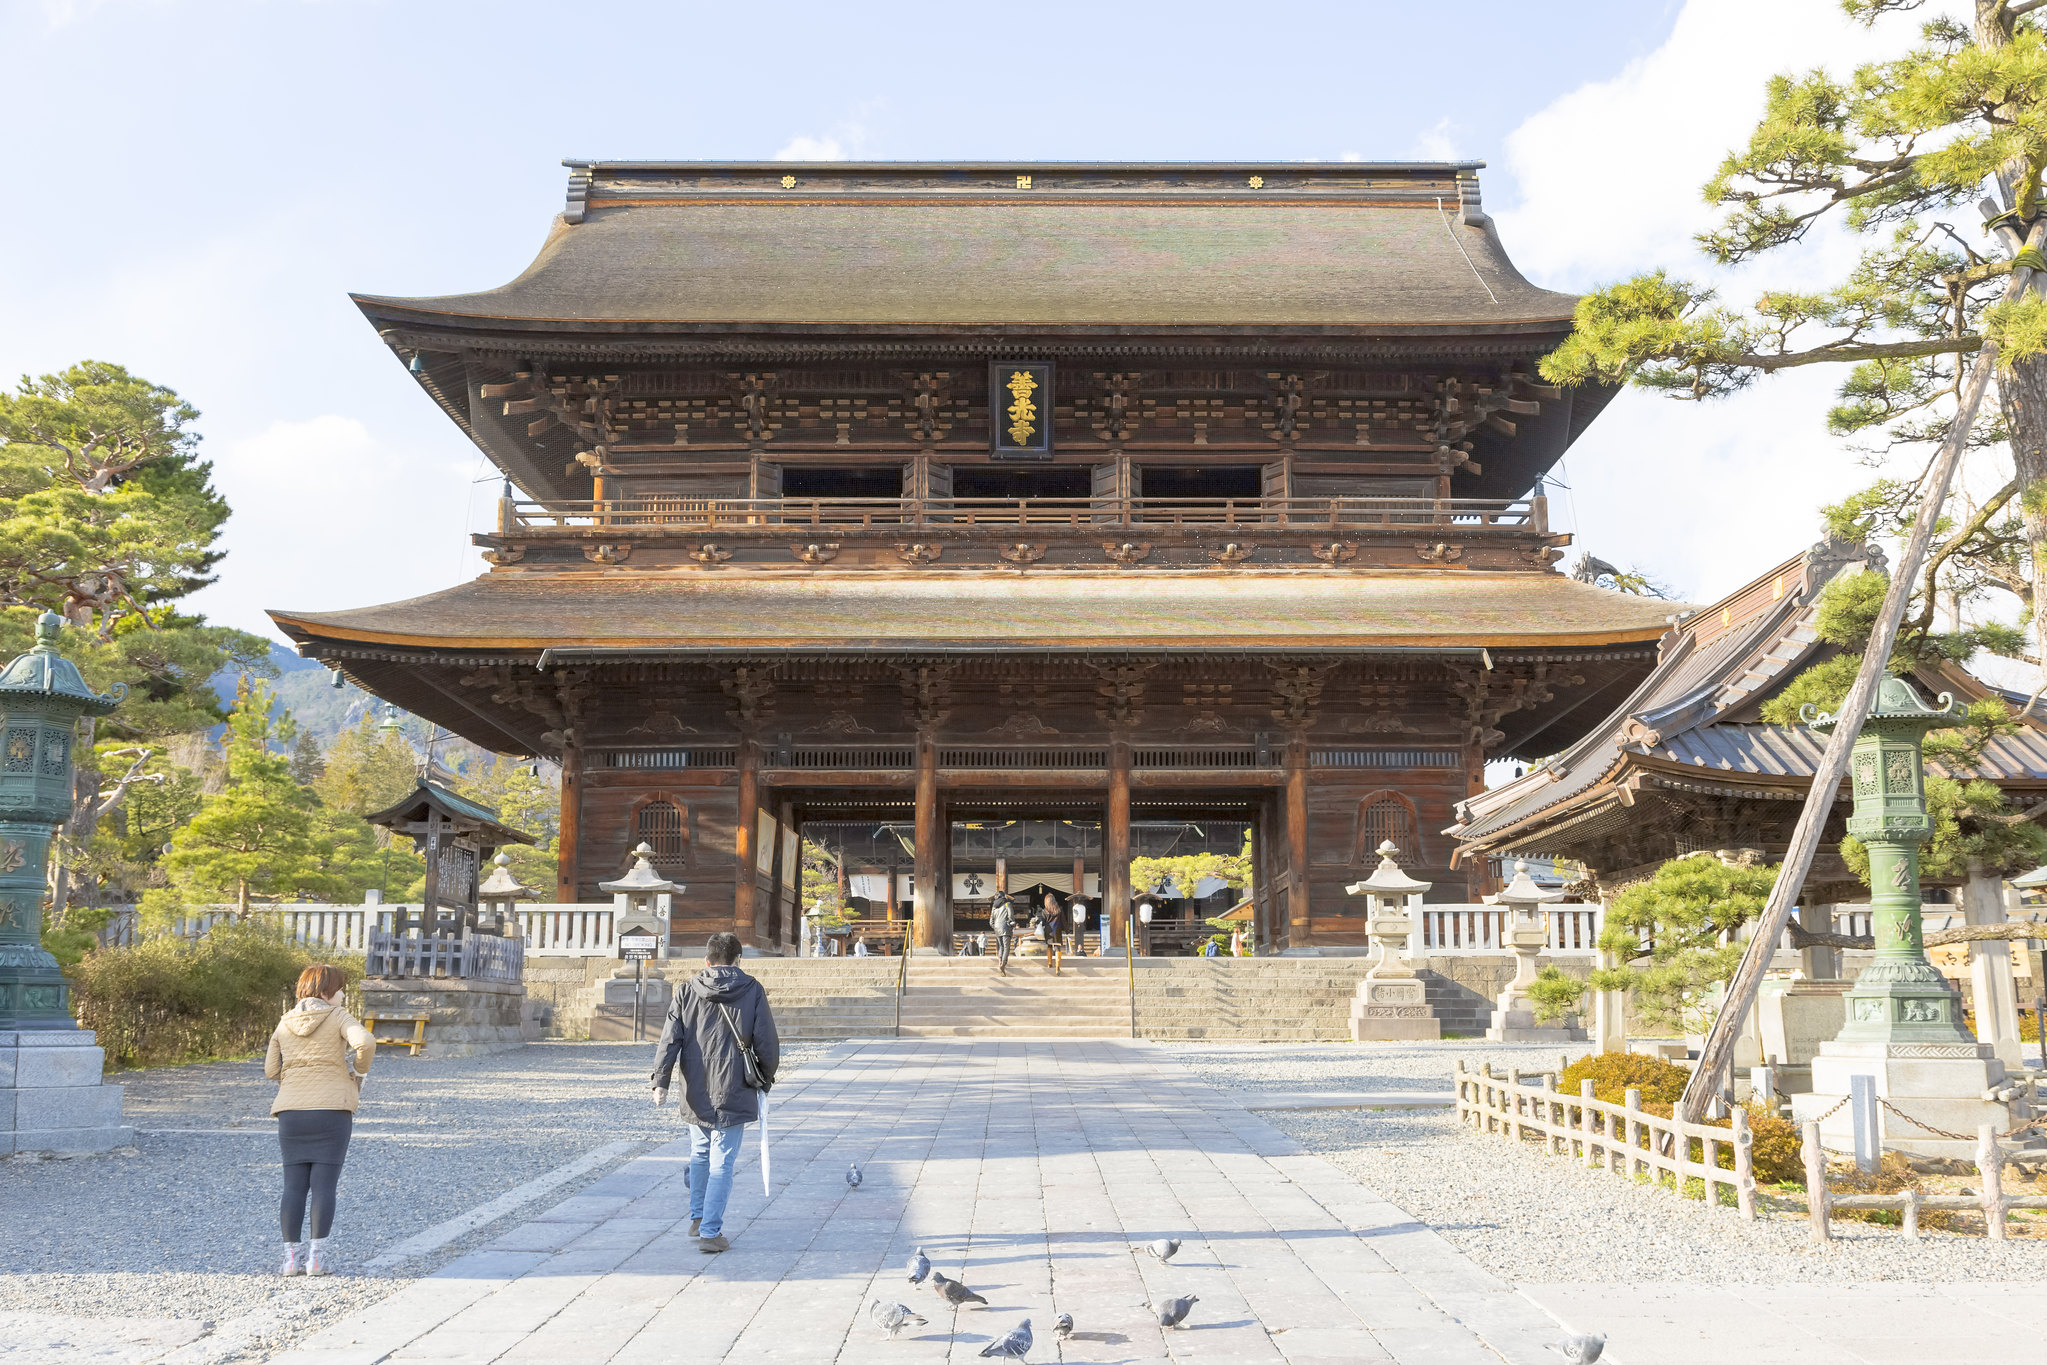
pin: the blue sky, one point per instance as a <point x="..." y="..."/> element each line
<point x="196" y="187"/>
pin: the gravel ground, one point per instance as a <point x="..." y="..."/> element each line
<point x="187" y="1227"/>
<point x="1532" y="1218"/>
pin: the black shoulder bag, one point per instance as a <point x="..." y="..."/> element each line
<point x="756" y="1074"/>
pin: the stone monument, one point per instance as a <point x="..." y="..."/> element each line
<point x="52" y="1096"/>
<point x="1392" y="1001"/>
<point x="1904" y="1021"/>
<point x="1514" y="1018"/>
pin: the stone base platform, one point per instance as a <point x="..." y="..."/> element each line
<point x="52" y="1097"/>
<point x="1939" y="1085"/>
<point x="464" y="1018"/>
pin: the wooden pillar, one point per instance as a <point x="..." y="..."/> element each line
<point x="570" y="835"/>
<point x="1080" y="879"/>
<point x="931" y="908"/>
<point x="893" y="892"/>
<point x="1116" y="847"/>
<point x="745" y="835"/>
<point x="1001" y="876"/>
<point x="1300" y="932"/>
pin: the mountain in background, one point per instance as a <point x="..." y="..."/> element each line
<point x="305" y="688"/>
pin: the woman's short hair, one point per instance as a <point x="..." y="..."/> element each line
<point x="321" y="979"/>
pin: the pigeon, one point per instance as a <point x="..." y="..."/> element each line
<point x="952" y="1291"/>
<point x="892" y="1318"/>
<point x="1062" y="1326"/>
<point x="1015" y="1346"/>
<point x="1173" y="1312"/>
<point x="1165" y="1248"/>
<point x="853" y="1176"/>
<point x="920" y="1266"/>
<point x="1580" y="1350"/>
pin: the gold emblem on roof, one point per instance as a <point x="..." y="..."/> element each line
<point x="1023" y="182"/>
<point x="788" y="182"/>
<point x="1257" y="182"/>
<point x="1023" y="413"/>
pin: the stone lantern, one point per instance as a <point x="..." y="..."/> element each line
<point x="51" y="1098"/>
<point x="1904" y="1021"/>
<point x="1392" y="1002"/>
<point x="641" y="899"/>
<point x="499" y="896"/>
<point x="1527" y="935"/>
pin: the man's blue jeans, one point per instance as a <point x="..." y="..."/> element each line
<point x="713" y="1153"/>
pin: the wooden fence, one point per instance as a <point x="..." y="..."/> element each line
<point x="478" y="957"/>
<point x="1619" y="1137"/>
<point x="1993" y="1203"/>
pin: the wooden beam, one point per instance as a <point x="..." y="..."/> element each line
<point x="931" y="909"/>
<point x="745" y="834"/>
<point x="1300" y="931"/>
<point x="1116" y="846"/>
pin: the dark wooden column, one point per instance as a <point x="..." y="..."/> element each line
<point x="571" y="830"/>
<point x="1116" y="847"/>
<point x="931" y="908"/>
<point x="745" y="836"/>
<point x="1300" y="932"/>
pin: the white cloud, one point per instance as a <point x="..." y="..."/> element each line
<point x="1437" y="142"/>
<point x="312" y="495"/>
<point x="1702" y="495"/>
<point x="812" y="149"/>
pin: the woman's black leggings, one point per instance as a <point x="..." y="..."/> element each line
<point x="318" y="1180"/>
<point x="313" y="1144"/>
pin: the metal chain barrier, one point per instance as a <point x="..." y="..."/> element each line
<point x="1942" y="1132"/>
<point x="1839" y="1105"/>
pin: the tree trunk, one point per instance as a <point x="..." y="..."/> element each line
<point x="242" y="897"/>
<point x="2022" y="391"/>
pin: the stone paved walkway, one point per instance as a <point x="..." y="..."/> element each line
<point x="1027" y="1170"/>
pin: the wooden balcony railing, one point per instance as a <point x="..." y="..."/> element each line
<point x="659" y="514"/>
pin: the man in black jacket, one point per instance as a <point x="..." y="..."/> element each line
<point x="712" y="1012"/>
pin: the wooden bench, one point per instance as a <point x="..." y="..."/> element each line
<point x="415" y="1042"/>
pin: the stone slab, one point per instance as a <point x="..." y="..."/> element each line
<point x="97" y="1139"/>
<point x="1347" y="1099"/>
<point x="46" y="1067"/>
<point x="83" y="1106"/>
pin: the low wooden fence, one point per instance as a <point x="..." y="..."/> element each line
<point x="1620" y="1137"/>
<point x="479" y="957"/>
<point x="1993" y="1203"/>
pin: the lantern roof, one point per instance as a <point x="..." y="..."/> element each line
<point x="642" y="880"/>
<point x="502" y="885"/>
<point x="1388" y="880"/>
<point x="1897" y="706"/>
<point x="43" y="672"/>
<point x="1523" y="894"/>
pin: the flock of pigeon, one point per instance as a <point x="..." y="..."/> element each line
<point x="892" y="1318"/>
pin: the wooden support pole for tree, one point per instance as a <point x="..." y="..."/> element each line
<point x="1716" y="1057"/>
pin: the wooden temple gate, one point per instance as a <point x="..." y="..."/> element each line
<point x="1024" y="528"/>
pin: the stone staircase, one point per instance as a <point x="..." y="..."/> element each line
<point x="822" y="999"/>
<point x="963" y="997"/>
<point x="1264" y="999"/>
<point x="1462" y="1011"/>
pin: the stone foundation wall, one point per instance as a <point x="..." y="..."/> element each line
<point x="52" y="1098"/>
<point x="464" y="1018"/>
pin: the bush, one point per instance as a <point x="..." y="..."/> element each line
<point x="1777" y="1153"/>
<point x="1614" y="1073"/>
<point x="169" y="1000"/>
<point x="1555" y="993"/>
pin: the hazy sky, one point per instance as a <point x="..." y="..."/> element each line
<point x="196" y="186"/>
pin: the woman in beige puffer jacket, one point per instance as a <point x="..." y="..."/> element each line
<point x="318" y="1056"/>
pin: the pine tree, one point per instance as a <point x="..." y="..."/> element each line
<point x="257" y="836"/>
<point x="307" y="762"/>
<point x="1891" y="152"/>
<point x="367" y="769"/>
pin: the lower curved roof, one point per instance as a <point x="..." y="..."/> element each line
<point x="856" y="611"/>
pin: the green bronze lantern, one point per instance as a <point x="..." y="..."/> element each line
<point x="1900" y="997"/>
<point x="42" y="696"/>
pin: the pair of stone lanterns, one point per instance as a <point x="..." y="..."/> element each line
<point x="51" y="1095"/>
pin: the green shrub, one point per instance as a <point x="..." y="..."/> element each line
<point x="1613" y="1074"/>
<point x="169" y="1000"/>
<point x="1555" y="993"/>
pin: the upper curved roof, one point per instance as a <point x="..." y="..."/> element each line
<point x="1397" y="248"/>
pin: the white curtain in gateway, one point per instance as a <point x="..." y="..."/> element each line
<point x="873" y="886"/>
<point x="980" y="885"/>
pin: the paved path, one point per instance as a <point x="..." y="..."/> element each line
<point x="1026" y="1169"/>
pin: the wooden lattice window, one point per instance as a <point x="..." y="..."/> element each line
<point x="660" y="827"/>
<point x="1388" y="815"/>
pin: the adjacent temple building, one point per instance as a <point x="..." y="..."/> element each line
<point x="990" y="516"/>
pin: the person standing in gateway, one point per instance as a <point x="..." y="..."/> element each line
<point x="717" y="1018"/>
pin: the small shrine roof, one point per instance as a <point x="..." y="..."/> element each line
<point x="468" y="816"/>
<point x="706" y="246"/>
<point x="855" y="612"/>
